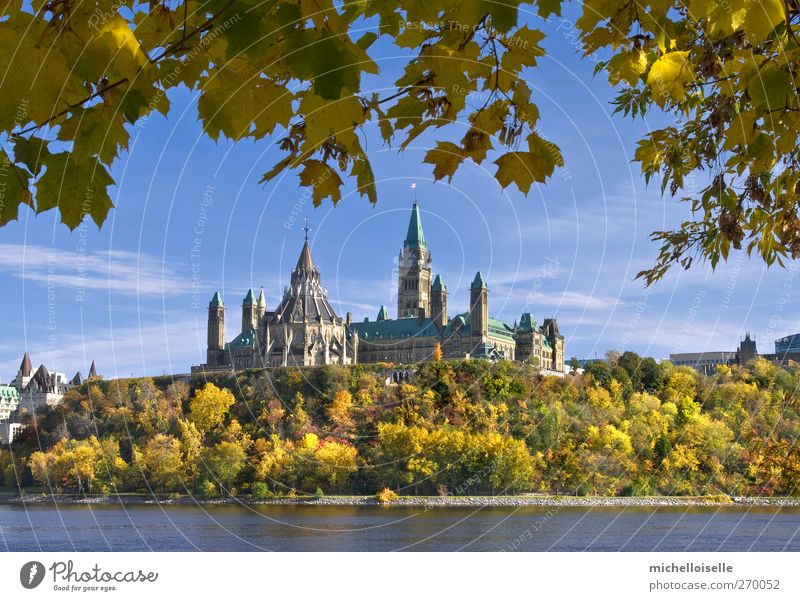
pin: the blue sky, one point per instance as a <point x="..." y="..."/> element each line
<point x="133" y="296"/>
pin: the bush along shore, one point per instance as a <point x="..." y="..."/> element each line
<point x="629" y="430"/>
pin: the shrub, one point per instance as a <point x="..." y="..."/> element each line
<point x="260" y="490"/>
<point x="207" y="489"/>
<point x="319" y="493"/>
<point x="386" y="495"/>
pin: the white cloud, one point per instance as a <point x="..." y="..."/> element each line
<point x="117" y="271"/>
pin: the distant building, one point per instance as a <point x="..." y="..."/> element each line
<point x="787" y="344"/>
<point x="704" y="362"/>
<point x="9" y="401"/>
<point x="304" y="329"/>
<point x="43" y="387"/>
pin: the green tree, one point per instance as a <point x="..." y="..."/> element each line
<point x="224" y="462"/>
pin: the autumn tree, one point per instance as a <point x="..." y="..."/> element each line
<point x="209" y="406"/>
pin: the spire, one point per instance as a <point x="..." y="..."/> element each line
<point x="479" y="282"/>
<point x="438" y="284"/>
<point x="261" y="301"/>
<point x="415" y="237"/>
<point x="306" y="262"/>
<point x="383" y="314"/>
<point x="26" y="368"/>
<point x="216" y="300"/>
<point x="306" y="229"/>
<point x="92" y="371"/>
<point x="77" y="379"/>
<point x="250" y="298"/>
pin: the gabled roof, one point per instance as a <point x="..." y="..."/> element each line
<point x="414" y="237"/>
<point x="438" y="284"/>
<point x="383" y="314"/>
<point x="245" y="339"/>
<point x="216" y="300"/>
<point x="26" y="367"/>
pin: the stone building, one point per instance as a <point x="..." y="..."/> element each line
<point x="304" y="329"/>
<point x="43" y="386"/>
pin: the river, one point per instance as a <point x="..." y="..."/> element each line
<point x="371" y="528"/>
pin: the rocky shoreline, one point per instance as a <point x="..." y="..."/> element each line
<point x="409" y="501"/>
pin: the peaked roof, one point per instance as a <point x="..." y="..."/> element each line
<point x="77" y="379"/>
<point x="305" y="299"/>
<point x="250" y="298"/>
<point x="383" y="314"/>
<point x="261" y="301"/>
<point x="92" y="371"/>
<point x="26" y="367"/>
<point x="415" y="238"/>
<point x="216" y="300"/>
<point x="438" y="284"/>
<point x="305" y="264"/>
<point x="479" y="282"/>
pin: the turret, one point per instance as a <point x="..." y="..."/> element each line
<point x="479" y="306"/>
<point x="249" y="311"/>
<point x="439" y="303"/>
<point x="261" y="309"/>
<point x="383" y="314"/>
<point x="216" y="330"/>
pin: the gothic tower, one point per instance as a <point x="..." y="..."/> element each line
<point x="216" y="331"/>
<point x="479" y="306"/>
<point x="439" y="303"/>
<point x="414" y="274"/>
<point x="249" y="312"/>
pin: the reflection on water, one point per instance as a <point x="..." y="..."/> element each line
<point x="329" y="528"/>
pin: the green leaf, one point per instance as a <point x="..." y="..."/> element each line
<point x="13" y="189"/>
<point x="76" y="188"/>
<point x="770" y="88"/>
<point x="31" y="152"/>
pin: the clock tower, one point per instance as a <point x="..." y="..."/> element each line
<point x="414" y="274"/>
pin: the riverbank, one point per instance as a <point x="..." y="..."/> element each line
<point x="407" y="501"/>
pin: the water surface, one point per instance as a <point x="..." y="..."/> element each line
<point x="332" y="528"/>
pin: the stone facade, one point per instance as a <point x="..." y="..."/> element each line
<point x="304" y="330"/>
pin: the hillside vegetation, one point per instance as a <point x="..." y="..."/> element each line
<point x="629" y="427"/>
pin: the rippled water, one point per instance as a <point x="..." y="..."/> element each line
<point x="326" y="528"/>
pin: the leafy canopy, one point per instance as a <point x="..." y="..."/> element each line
<point x="77" y="76"/>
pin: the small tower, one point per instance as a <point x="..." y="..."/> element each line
<point x="216" y="330"/>
<point x="249" y="312"/>
<point x="479" y="306"/>
<point x="261" y="309"/>
<point x="92" y="372"/>
<point x="414" y="276"/>
<point x="439" y="303"/>
<point x="383" y="314"/>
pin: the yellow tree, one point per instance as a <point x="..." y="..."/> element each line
<point x="335" y="462"/>
<point x="339" y="411"/>
<point x="209" y="406"/>
<point x="163" y="462"/>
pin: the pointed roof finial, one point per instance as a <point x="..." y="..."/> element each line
<point x="306" y="229"/>
<point x="414" y="188"/>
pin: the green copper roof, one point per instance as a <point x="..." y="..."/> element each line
<point x="415" y="237"/>
<point x="383" y="314"/>
<point x="250" y="299"/>
<point x="497" y="328"/>
<point x="438" y="284"/>
<point x="216" y="300"/>
<point x="394" y="329"/>
<point x="245" y="339"/>
<point x="527" y="323"/>
<point x="479" y="282"/>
